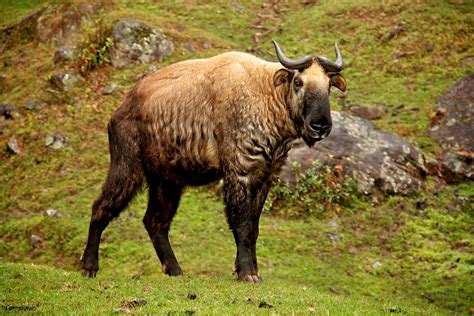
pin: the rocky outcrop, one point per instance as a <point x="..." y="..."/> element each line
<point x="56" y="24"/>
<point x="452" y="126"/>
<point x="62" y="25"/>
<point x="135" y="42"/>
<point x="24" y="30"/>
<point x="378" y="160"/>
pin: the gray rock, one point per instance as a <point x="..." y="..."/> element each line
<point x="35" y="240"/>
<point x="62" y="25"/>
<point x="369" y="113"/>
<point x="151" y="70"/>
<point x="453" y="128"/>
<point x="65" y="81"/>
<point x="109" y="89"/>
<point x="333" y="223"/>
<point x="395" y="31"/>
<point x="237" y="7"/>
<point x="190" y="48"/>
<point x="380" y="161"/>
<point x="13" y="146"/>
<point x="335" y="238"/>
<point x="376" y="264"/>
<point x="55" y="141"/>
<point x="64" y="55"/>
<point x="53" y="213"/>
<point x="8" y="111"/>
<point x="453" y="124"/>
<point x="34" y="105"/>
<point x="207" y="44"/>
<point x="457" y="166"/>
<point x="135" y="42"/>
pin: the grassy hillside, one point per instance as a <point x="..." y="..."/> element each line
<point x="396" y="255"/>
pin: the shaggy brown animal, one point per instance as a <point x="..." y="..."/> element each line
<point x="232" y="116"/>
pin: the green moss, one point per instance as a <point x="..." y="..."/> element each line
<point x="411" y="254"/>
<point x="12" y="11"/>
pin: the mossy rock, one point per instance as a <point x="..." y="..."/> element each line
<point x="135" y="42"/>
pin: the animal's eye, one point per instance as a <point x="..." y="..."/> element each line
<point x="298" y="82"/>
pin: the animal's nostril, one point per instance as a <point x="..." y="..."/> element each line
<point x="316" y="127"/>
<point x="320" y="129"/>
<point x="327" y="128"/>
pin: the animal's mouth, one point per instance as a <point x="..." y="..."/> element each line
<point x="314" y="133"/>
<point x="310" y="140"/>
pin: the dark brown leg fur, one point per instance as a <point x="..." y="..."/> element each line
<point x="124" y="180"/>
<point x="243" y="211"/>
<point x="162" y="205"/>
<point x="116" y="194"/>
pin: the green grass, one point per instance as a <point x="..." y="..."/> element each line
<point x="13" y="10"/>
<point x="66" y="292"/>
<point x="293" y="254"/>
<point x="406" y="254"/>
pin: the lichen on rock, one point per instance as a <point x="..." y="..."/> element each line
<point x="452" y="126"/>
<point x="135" y="42"/>
<point x="378" y="160"/>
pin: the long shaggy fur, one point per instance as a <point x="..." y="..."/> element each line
<point x="192" y="123"/>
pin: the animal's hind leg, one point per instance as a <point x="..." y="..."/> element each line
<point x="117" y="192"/>
<point x="162" y="205"/>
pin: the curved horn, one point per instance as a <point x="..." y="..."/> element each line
<point x="339" y="60"/>
<point x="331" y="66"/>
<point x="289" y="63"/>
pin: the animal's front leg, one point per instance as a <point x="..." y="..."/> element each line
<point x="259" y="202"/>
<point x="243" y="208"/>
<point x="162" y="205"/>
<point x="246" y="266"/>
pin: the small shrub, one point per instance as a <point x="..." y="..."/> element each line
<point x="318" y="190"/>
<point x="95" y="43"/>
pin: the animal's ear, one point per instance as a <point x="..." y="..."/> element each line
<point x="338" y="81"/>
<point x="281" y="76"/>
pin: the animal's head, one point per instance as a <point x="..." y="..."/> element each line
<point x="309" y="81"/>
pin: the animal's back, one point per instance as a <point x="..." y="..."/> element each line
<point x="183" y="104"/>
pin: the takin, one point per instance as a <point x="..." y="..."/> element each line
<point x="232" y="117"/>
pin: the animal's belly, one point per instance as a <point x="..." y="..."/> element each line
<point x="188" y="165"/>
<point x="196" y="177"/>
<point x="187" y="172"/>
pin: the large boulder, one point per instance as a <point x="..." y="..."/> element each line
<point x="62" y="25"/>
<point x="380" y="161"/>
<point x="20" y="32"/>
<point x="452" y="127"/>
<point x="56" y="24"/>
<point x="135" y="42"/>
<point x="453" y="124"/>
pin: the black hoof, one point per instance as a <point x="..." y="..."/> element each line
<point x="171" y="270"/>
<point x="89" y="273"/>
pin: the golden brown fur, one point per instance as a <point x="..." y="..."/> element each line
<point x="232" y="116"/>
